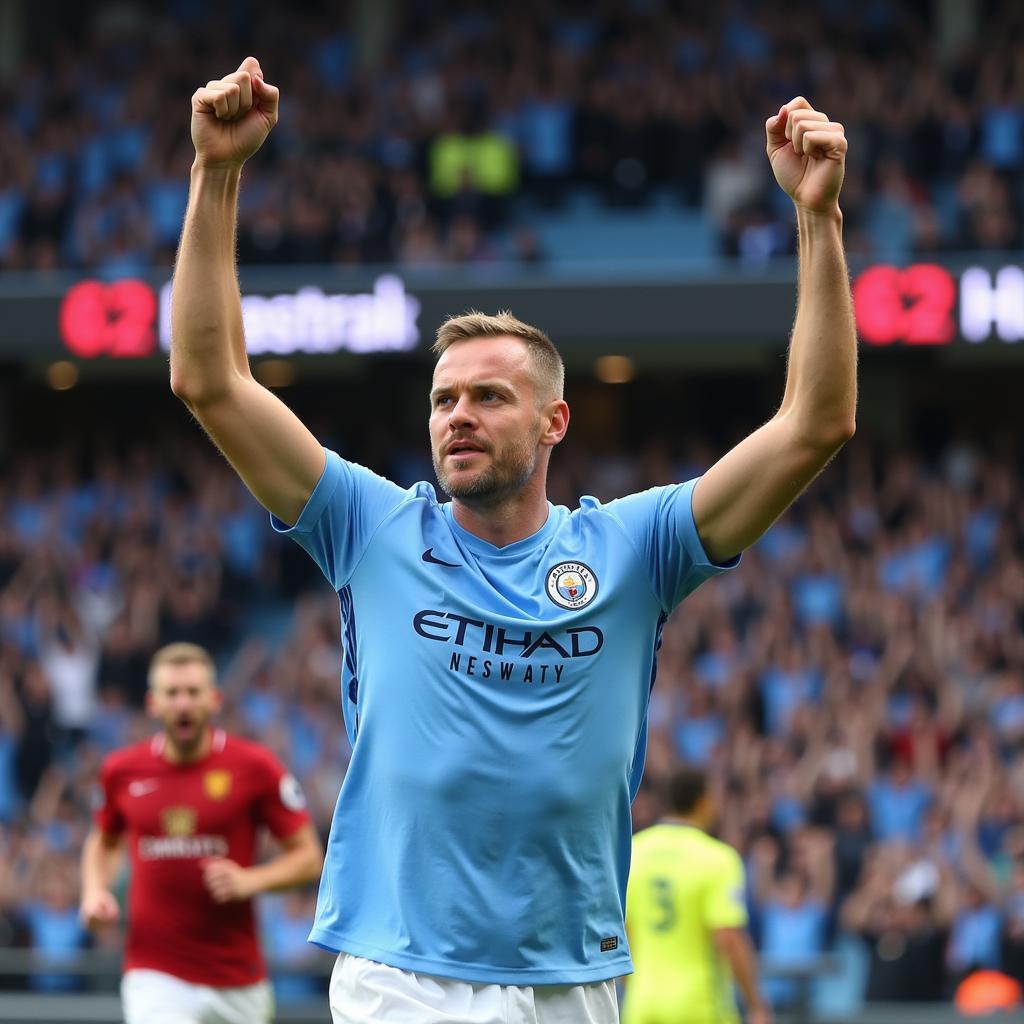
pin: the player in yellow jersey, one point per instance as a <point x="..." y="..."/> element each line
<point x="686" y="919"/>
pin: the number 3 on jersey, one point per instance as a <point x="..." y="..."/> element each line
<point x="664" y="898"/>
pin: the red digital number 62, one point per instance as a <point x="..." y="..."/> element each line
<point x="913" y="305"/>
<point x="117" y="319"/>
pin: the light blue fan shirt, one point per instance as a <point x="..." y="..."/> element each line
<point x="496" y="702"/>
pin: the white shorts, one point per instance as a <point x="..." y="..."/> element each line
<point x="365" y="992"/>
<point x="153" y="997"/>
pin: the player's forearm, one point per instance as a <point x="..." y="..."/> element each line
<point x="100" y="864"/>
<point x="207" y="340"/>
<point x="289" y="869"/>
<point x="821" y="384"/>
<point x="743" y="962"/>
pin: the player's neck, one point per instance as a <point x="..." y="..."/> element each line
<point x="518" y="517"/>
<point x="176" y="755"/>
<point x="682" y="819"/>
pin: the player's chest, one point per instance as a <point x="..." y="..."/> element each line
<point x="210" y="801"/>
<point x="572" y="576"/>
<point x="523" y="632"/>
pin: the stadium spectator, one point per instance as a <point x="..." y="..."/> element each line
<point x="793" y="904"/>
<point x="51" y="915"/>
<point x="898" y="802"/>
<point x="852" y="839"/>
<point x="903" y="910"/>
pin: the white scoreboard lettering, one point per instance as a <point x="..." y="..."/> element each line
<point x="992" y="304"/>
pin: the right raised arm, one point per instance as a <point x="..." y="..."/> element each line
<point x="272" y="451"/>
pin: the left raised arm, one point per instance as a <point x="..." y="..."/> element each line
<point x="739" y="497"/>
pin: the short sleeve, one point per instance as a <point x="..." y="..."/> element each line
<point x="347" y="505"/>
<point x="724" y="903"/>
<point x="281" y="804"/>
<point x="659" y="522"/>
<point x="106" y="813"/>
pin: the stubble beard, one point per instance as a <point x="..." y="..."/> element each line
<point x="508" y="473"/>
<point x="188" y="748"/>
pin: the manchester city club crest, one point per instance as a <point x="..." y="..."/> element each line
<point x="571" y="585"/>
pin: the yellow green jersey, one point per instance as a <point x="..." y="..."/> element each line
<point x="683" y="886"/>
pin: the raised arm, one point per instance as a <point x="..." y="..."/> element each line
<point x="751" y="486"/>
<point x="275" y="455"/>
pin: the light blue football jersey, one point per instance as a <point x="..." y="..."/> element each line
<point x="496" y="702"/>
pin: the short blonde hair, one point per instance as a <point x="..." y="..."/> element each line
<point x="182" y="654"/>
<point x="550" y="370"/>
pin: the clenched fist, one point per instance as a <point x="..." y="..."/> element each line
<point x="227" y="881"/>
<point x="232" y="116"/>
<point x="98" y="909"/>
<point x="808" y="155"/>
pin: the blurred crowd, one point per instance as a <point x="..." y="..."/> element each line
<point x="435" y="133"/>
<point x="100" y="565"/>
<point x="856" y="688"/>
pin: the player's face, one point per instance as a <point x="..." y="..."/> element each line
<point x="183" y="698"/>
<point x="485" y="425"/>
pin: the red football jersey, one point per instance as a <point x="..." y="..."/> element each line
<point x="175" y="817"/>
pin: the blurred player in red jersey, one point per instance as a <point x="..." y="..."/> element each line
<point x="191" y="802"/>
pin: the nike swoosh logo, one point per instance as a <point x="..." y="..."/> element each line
<point x="428" y="556"/>
<point x="142" y="788"/>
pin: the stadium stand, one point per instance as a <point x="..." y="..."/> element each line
<point x="465" y="142"/>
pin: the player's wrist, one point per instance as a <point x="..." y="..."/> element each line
<point x="830" y="215"/>
<point x="205" y="167"/>
<point x="249" y="883"/>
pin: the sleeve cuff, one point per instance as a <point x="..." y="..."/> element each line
<point x="317" y="502"/>
<point x="692" y="542"/>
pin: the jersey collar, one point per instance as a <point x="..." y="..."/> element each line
<point x="217" y="744"/>
<point x="512" y="551"/>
